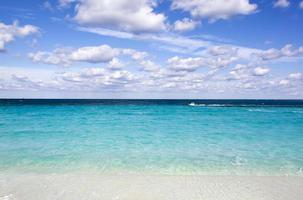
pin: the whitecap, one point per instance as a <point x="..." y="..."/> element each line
<point x="194" y="104"/>
<point x="260" y="110"/>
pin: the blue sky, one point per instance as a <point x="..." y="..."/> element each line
<point x="151" y="49"/>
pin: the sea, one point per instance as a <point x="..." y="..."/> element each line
<point x="152" y="136"/>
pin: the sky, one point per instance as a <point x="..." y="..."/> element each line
<point x="151" y="49"/>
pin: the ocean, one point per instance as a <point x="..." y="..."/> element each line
<point x="217" y="137"/>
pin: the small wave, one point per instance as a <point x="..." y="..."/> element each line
<point x="252" y="106"/>
<point x="260" y="110"/>
<point x="218" y="105"/>
<point x="273" y="111"/>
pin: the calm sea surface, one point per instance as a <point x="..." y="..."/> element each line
<point x="152" y="136"/>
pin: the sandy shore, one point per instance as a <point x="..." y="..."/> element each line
<point x="151" y="187"/>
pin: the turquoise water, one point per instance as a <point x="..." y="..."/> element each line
<point x="169" y="139"/>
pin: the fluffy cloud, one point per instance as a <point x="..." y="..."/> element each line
<point x="215" y="9"/>
<point x="284" y="82"/>
<point x="136" y="55"/>
<point x="247" y="74"/>
<point x="124" y="15"/>
<point x="191" y="64"/>
<point x="92" y="78"/>
<point x="286" y="51"/>
<point x="221" y="61"/>
<point x="281" y="3"/>
<point x="115" y="64"/>
<point x="59" y="56"/>
<point x="103" y="80"/>
<point x="295" y="76"/>
<point x="149" y="66"/>
<point x="260" y="71"/>
<point x="301" y="5"/>
<point x="8" y="33"/>
<point x="185" y="25"/>
<point x="185" y="64"/>
<point x="222" y="50"/>
<point x="239" y="72"/>
<point x="89" y="54"/>
<point x="87" y="79"/>
<point x="94" y="54"/>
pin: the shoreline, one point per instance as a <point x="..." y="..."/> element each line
<point x="152" y="187"/>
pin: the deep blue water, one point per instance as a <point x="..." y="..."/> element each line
<point x="153" y="136"/>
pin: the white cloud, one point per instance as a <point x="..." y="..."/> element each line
<point x="8" y="33"/>
<point x="93" y="78"/>
<point x="185" y="25"/>
<point x="289" y="51"/>
<point x="92" y="72"/>
<point x="281" y="3"/>
<point x="269" y="54"/>
<point x="149" y="66"/>
<point x="248" y="86"/>
<point x="136" y="55"/>
<point x="214" y="58"/>
<point x="89" y="54"/>
<point x="239" y="72"/>
<point x="286" y="51"/>
<point x="301" y="5"/>
<point x="191" y="64"/>
<point x="94" y="54"/>
<point x="240" y="67"/>
<point x="103" y="80"/>
<point x="222" y="50"/>
<point x="59" y="56"/>
<point x="295" y="76"/>
<point x="284" y="82"/>
<point x="246" y="73"/>
<point x="115" y="64"/>
<point x="215" y="9"/>
<point x="185" y="64"/>
<point x="260" y="71"/>
<point x="65" y="3"/>
<point x="134" y="16"/>
<point x="221" y="61"/>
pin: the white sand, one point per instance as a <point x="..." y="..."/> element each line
<point x="140" y="187"/>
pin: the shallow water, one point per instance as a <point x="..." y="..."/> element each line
<point x="161" y="138"/>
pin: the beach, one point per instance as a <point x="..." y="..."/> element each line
<point x="148" y="187"/>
